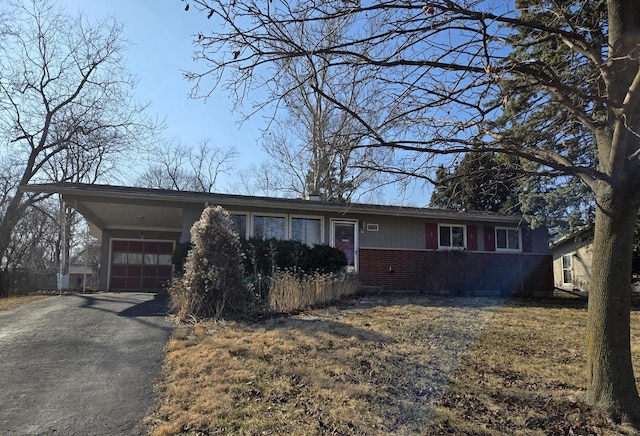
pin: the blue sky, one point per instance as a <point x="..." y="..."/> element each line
<point x="159" y="33"/>
<point x="161" y="49"/>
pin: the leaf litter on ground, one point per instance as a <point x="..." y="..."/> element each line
<point x="393" y="364"/>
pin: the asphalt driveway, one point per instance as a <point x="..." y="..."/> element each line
<point x="81" y="364"/>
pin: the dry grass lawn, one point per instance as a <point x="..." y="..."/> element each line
<point x="401" y="365"/>
<point x="9" y="303"/>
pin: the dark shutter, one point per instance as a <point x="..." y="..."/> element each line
<point x="489" y="238"/>
<point x="432" y="236"/>
<point x="472" y="238"/>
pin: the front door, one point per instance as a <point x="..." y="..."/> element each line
<point x="344" y="236"/>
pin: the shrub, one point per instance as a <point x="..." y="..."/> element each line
<point x="213" y="279"/>
<point x="326" y="259"/>
<point x="263" y="257"/>
<point x="179" y="257"/>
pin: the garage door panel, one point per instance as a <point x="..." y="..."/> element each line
<point x="133" y="283"/>
<point x="164" y="271"/>
<point x="118" y="282"/>
<point x="151" y="283"/>
<point x="135" y="246"/>
<point x="120" y="245"/>
<point x="165" y="248"/>
<point x="149" y="270"/>
<point x="134" y="271"/>
<point x="140" y="265"/>
<point x="151" y="247"/>
<point x="119" y="270"/>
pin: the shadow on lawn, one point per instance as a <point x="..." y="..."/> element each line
<point x="386" y="299"/>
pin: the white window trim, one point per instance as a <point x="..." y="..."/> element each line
<point x="512" y="250"/>
<point x="250" y="217"/>
<point x="570" y="268"/>
<point x="309" y="217"/>
<point x="247" y="216"/>
<point x="451" y="247"/>
<point x="266" y="214"/>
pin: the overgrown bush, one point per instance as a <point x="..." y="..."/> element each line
<point x="313" y="274"/>
<point x="264" y="257"/>
<point x="213" y="279"/>
<point x="290" y="291"/>
<point x="325" y="259"/>
<point x="179" y="257"/>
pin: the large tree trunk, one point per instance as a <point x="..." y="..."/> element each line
<point x="7" y="224"/>
<point x="611" y="383"/>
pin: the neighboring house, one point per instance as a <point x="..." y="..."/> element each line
<point x="572" y="260"/>
<point x="82" y="271"/>
<point x="391" y="247"/>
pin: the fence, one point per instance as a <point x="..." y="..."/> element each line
<point x="29" y="280"/>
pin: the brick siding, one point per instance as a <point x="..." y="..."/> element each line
<point x="458" y="272"/>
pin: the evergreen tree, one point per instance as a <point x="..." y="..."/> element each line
<point x="535" y="117"/>
<point x="481" y="182"/>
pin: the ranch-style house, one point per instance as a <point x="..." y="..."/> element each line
<point x="390" y="247"/>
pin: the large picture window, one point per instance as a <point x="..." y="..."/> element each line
<point x="451" y="236"/>
<point x="267" y="227"/>
<point x="239" y="224"/>
<point x="306" y="230"/>
<point x="507" y="239"/>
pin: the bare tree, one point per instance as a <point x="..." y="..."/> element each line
<point x="34" y="246"/>
<point x="178" y="167"/>
<point x="315" y="148"/>
<point x="65" y="96"/>
<point x="441" y="70"/>
<point x="259" y="179"/>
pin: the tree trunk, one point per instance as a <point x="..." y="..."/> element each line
<point x="611" y="384"/>
<point x="7" y="224"/>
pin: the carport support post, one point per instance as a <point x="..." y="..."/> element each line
<point x="85" y="260"/>
<point x="63" y="275"/>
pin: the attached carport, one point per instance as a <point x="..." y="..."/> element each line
<point x="138" y="234"/>
<point x="140" y="227"/>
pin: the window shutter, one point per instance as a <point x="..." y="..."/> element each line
<point x="472" y="238"/>
<point x="489" y="238"/>
<point x="527" y="240"/>
<point x="432" y="236"/>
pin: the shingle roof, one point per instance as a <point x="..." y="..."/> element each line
<point x="164" y="195"/>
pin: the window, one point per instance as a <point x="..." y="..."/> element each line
<point x="507" y="239"/>
<point x="150" y="259"/>
<point x="266" y="227"/>
<point x="451" y="236"/>
<point x="239" y="224"/>
<point x="306" y="230"/>
<point x="164" y="259"/>
<point x="120" y="258"/>
<point x="567" y="270"/>
<point x="134" y="259"/>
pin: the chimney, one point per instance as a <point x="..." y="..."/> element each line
<point x="314" y="196"/>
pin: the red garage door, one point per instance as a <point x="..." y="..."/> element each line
<point x="140" y="265"/>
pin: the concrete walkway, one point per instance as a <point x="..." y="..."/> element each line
<point x="81" y="364"/>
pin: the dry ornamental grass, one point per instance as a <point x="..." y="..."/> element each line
<point x="401" y="365"/>
<point x="9" y="303"/>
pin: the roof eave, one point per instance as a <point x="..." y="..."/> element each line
<point x="164" y="196"/>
